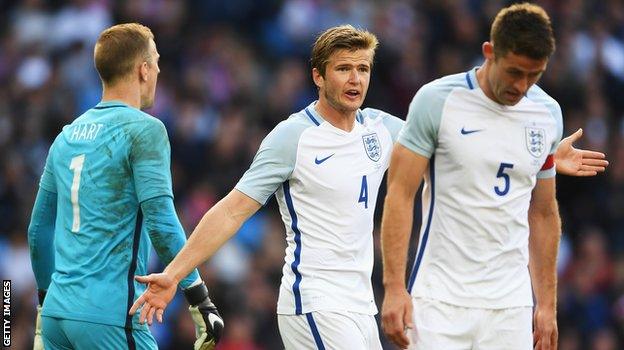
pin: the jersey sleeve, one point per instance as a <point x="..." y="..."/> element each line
<point x="273" y="163"/>
<point x="165" y="232"/>
<point x="420" y="132"/>
<point x="548" y="168"/>
<point x="150" y="158"/>
<point x="41" y="237"/>
<point x="47" y="181"/>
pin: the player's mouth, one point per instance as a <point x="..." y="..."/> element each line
<point x="513" y="96"/>
<point x="352" y="94"/>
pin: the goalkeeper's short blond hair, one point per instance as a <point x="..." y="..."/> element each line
<point x="119" y="49"/>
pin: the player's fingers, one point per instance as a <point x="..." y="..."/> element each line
<point x="143" y="279"/>
<point x="577" y="135"/>
<point x="593" y="154"/>
<point x="583" y="173"/>
<point x="159" y="315"/>
<point x="150" y="316"/>
<point x="592" y="168"/>
<point x="545" y="340"/>
<point x="595" y="162"/>
<point x="408" y="320"/>
<point x="144" y="311"/>
<point x="137" y="304"/>
<point x="397" y="332"/>
<point x="554" y="340"/>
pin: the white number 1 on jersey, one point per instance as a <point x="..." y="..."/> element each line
<point x="76" y="166"/>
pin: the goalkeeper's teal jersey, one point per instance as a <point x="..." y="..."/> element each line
<point x="102" y="166"/>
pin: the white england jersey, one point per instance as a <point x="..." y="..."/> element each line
<point x="485" y="159"/>
<point x="326" y="182"/>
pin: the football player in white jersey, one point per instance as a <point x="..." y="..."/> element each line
<point x="324" y="164"/>
<point x="485" y="142"/>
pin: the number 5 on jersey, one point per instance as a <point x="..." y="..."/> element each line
<point x="501" y="173"/>
<point x="76" y="165"/>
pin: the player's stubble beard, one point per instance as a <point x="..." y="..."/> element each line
<point x="339" y="106"/>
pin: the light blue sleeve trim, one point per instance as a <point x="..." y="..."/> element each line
<point x="41" y="237"/>
<point x="275" y="160"/>
<point x="420" y="133"/>
<point x="545" y="174"/>
<point x="392" y="123"/>
<point x="165" y="231"/>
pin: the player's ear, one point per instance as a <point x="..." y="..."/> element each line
<point x="143" y="71"/>
<point x="318" y="78"/>
<point x="488" y="50"/>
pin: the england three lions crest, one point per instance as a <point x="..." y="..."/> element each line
<point x="536" y="141"/>
<point x="372" y="146"/>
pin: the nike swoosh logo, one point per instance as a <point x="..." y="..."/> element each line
<point x="466" y="132"/>
<point x="319" y="161"/>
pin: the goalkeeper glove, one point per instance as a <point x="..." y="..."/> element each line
<point x="208" y="322"/>
<point x="38" y="344"/>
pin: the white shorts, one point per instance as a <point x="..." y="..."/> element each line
<point x="325" y="330"/>
<point x="440" y="325"/>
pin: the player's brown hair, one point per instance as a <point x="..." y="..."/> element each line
<point x="344" y="37"/>
<point x="118" y="49"/>
<point x="524" y="29"/>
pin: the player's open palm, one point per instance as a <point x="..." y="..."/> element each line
<point x="578" y="162"/>
<point x="160" y="290"/>
<point x="545" y="333"/>
<point x="396" y="316"/>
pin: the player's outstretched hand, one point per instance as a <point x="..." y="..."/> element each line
<point x="160" y="290"/>
<point x="208" y="322"/>
<point x="545" y="333"/>
<point x="578" y="162"/>
<point x="396" y="316"/>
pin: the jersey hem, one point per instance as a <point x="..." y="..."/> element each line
<point x="98" y="319"/>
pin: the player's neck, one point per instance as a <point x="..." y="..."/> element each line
<point x="484" y="84"/>
<point x="126" y="92"/>
<point x="343" y="120"/>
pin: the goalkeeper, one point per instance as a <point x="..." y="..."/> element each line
<point x="105" y="195"/>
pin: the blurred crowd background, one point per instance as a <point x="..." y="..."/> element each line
<point x="231" y="70"/>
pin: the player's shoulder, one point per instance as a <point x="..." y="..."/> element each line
<point x="294" y="125"/>
<point x="537" y="95"/>
<point x="442" y="87"/>
<point x="391" y="122"/>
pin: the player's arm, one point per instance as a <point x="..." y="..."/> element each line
<point x="215" y="228"/>
<point x="272" y="165"/>
<point x="41" y="243"/>
<point x="545" y="232"/>
<point x="404" y="178"/>
<point x="149" y="158"/>
<point x="41" y="240"/>
<point x="578" y="162"/>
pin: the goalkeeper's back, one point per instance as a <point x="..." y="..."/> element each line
<point x="102" y="166"/>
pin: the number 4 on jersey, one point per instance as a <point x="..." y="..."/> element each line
<point x="76" y="165"/>
<point x="364" y="193"/>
